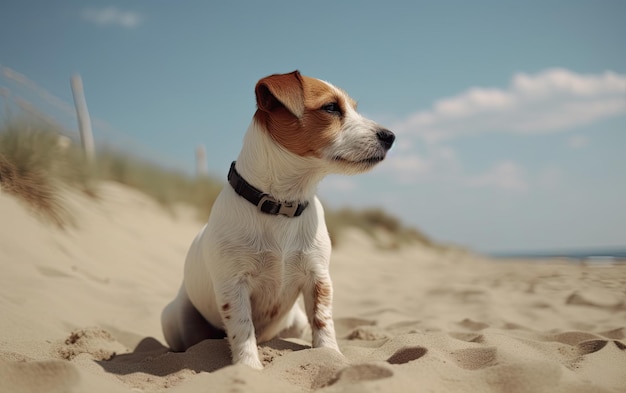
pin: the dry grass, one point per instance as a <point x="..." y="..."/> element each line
<point x="35" y="166"/>
<point x="37" y="162"/>
<point x="34" y="190"/>
<point x="373" y="221"/>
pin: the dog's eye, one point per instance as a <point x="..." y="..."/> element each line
<point x="333" y="108"/>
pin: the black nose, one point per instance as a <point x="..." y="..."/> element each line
<point x="386" y="137"/>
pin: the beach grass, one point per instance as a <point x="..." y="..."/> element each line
<point x="374" y="222"/>
<point x="36" y="162"/>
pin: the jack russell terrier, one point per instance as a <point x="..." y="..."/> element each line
<point x="266" y="241"/>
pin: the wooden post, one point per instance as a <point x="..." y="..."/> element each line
<point x="5" y="93"/>
<point x="201" y="163"/>
<point x="84" y="122"/>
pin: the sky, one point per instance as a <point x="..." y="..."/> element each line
<point x="510" y="117"/>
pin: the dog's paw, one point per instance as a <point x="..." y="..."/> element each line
<point x="325" y="339"/>
<point x="327" y="343"/>
<point x="251" y="361"/>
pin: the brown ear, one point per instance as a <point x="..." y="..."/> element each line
<point x="280" y="90"/>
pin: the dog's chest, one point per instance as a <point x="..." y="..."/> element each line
<point x="276" y="274"/>
<point x="275" y="283"/>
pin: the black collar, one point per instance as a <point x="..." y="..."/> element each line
<point x="264" y="202"/>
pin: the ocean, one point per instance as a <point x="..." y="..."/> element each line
<point x="581" y="255"/>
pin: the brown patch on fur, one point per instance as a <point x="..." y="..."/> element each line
<point x="281" y="90"/>
<point x="321" y="295"/>
<point x="322" y="291"/>
<point x="274" y="310"/>
<point x="318" y="323"/>
<point x="225" y="308"/>
<point x="304" y="132"/>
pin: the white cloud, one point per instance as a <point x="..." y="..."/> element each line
<point x="549" y="101"/>
<point x="112" y="16"/>
<point x="567" y="82"/>
<point x="505" y="175"/>
<point x="554" y="100"/>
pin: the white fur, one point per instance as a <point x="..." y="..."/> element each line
<point x="245" y="270"/>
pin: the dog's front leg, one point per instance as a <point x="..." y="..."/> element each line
<point x="236" y="312"/>
<point x="318" y="302"/>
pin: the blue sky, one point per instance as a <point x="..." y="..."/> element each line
<point x="510" y="116"/>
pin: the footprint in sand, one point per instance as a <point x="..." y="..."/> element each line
<point x="468" y="337"/>
<point x="598" y="298"/>
<point x="574" y="338"/>
<point x="474" y="358"/>
<point x="347" y="326"/>
<point x="591" y="346"/>
<point x="405" y="355"/>
<point x="360" y="373"/>
<point x="616" y="334"/>
<point x="367" y="333"/>
<point x="472" y="325"/>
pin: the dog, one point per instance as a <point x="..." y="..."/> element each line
<point x="266" y="240"/>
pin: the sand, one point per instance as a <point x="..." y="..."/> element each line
<point x="80" y="307"/>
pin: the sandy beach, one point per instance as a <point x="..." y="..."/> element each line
<point x="80" y="309"/>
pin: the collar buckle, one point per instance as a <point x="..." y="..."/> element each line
<point x="288" y="209"/>
<point x="267" y="204"/>
<point x="271" y="202"/>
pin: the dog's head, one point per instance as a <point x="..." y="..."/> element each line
<point x="312" y="118"/>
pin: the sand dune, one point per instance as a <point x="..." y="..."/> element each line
<point x="79" y="311"/>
